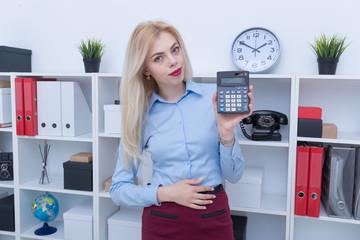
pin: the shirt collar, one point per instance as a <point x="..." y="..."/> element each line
<point x="190" y="87"/>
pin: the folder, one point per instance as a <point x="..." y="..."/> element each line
<point x="301" y="182"/>
<point x="19" y="106"/>
<point x="30" y="105"/>
<point x="338" y="181"/>
<point x="356" y="200"/>
<point x="314" y="181"/>
<point x="76" y="117"/>
<point x="49" y="108"/>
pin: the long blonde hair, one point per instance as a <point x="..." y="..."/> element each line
<point x="135" y="90"/>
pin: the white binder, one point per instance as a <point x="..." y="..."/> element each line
<point x="42" y="108"/>
<point x="49" y="108"/>
<point x="76" y="114"/>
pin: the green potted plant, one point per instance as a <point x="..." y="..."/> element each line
<point x="91" y="50"/>
<point x="328" y="50"/>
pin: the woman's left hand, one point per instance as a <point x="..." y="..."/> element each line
<point x="227" y="122"/>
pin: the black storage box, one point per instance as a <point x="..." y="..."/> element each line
<point x="6" y="166"/>
<point x="239" y="227"/>
<point x="78" y="176"/>
<point x="309" y="128"/>
<point x="7" y="219"/>
<point x="15" y="59"/>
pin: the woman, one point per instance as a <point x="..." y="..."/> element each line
<point x="192" y="146"/>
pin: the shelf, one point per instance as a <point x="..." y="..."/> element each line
<point x="110" y="135"/>
<point x="56" y="185"/>
<point x="324" y="217"/>
<point x="7" y="129"/>
<point x="6" y="233"/>
<point x="343" y="138"/>
<point x="270" y="204"/>
<point x="80" y="138"/>
<point x="58" y="235"/>
<point x="105" y="194"/>
<point x="7" y="184"/>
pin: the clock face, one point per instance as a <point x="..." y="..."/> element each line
<point x="255" y="50"/>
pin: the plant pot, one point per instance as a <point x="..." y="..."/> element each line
<point x="92" y="64"/>
<point x="327" y="65"/>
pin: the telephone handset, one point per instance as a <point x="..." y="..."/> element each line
<point x="266" y="125"/>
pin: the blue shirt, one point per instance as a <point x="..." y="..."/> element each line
<point x="183" y="141"/>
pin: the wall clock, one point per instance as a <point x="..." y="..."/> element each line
<point x="256" y="50"/>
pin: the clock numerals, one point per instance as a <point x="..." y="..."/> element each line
<point x="270" y="42"/>
<point x="241" y="57"/>
<point x="255" y="35"/>
<point x="254" y="65"/>
<point x="269" y="57"/>
<point x="239" y="50"/>
<point x="263" y="63"/>
<point x="272" y="49"/>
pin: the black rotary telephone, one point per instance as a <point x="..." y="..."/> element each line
<point x="266" y="125"/>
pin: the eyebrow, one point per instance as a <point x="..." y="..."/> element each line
<point x="159" y="53"/>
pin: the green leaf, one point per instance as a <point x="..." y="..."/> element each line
<point x="91" y="48"/>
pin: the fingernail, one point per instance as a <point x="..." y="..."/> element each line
<point x="204" y="208"/>
<point x="214" y="196"/>
<point x="211" y="201"/>
<point x="212" y="189"/>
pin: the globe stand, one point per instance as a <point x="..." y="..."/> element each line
<point x="45" y="230"/>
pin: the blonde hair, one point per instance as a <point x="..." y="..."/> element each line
<point x="135" y="90"/>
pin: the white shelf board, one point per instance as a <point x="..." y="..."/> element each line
<point x="56" y="185"/>
<point x="7" y="129"/>
<point x="270" y="204"/>
<point x="80" y="138"/>
<point x="6" y="233"/>
<point x="7" y="184"/>
<point x="324" y="217"/>
<point x="110" y="135"/>
<point x="58" y="235"/>
<point x="343" y="138"/>
<point x="104" y="194"/>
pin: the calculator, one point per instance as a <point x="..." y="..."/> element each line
<point x="232" y="92"/>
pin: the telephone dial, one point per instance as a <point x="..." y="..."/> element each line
<point x="266" y="125"/>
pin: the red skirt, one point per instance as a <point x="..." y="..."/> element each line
<point x="176" y="222"/>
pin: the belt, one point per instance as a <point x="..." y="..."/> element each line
<point x="217" y="189"/>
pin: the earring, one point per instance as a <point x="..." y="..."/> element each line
<point x="148" y="77"/>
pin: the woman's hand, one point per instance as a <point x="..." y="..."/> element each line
<point x="186" y="194"/>
<point x="227" y="122"/>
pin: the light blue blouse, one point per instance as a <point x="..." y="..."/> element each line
<point x="183" y="141"/>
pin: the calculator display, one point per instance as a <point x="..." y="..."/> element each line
<point x="237" y="80"/>
<point x="232" y="92"/>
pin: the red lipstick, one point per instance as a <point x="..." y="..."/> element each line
<point x="177" y="72"/>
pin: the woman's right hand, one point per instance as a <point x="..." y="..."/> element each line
<point x="185" y="193"/>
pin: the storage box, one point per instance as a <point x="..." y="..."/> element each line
<point x="329" y="130"/>
<point x="247" y="191"/>
<point x="4" y="84"/>
<point x="84" y="157"/>
<point x="7" y="219"/>
<point x="309" y="112"/>
<point x="125" y="224"/>
<point x="309" y="128"/>
<point x="78" y="222"/>
<point x="15" y="59"/>
<point x="6" y="166"/>
<point x="78" y="176"/>
<point x="3" y="194"/>
<point x="239" y="227"/>
<point x="112" y="115"/>
<point x="5" y="105"/>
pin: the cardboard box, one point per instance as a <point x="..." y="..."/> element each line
<point x="246" y="192"/>
<point x="112" y="115"/>
<point x="78" y="222"/>
<point x="125" y="223"/>
<point x="84" y="157"/>
<point x="329" y="130"/>
<point x="108" y="184"/>
<point x="78" y="176"/>
<point x="309" y="128"/>
<point x="15" y="59"/>
<point x="5" y="105"/>
<point x="7" y="219"/>
<point x="4" y="84"/>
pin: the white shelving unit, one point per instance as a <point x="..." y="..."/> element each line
<point x="275" y="218"/>
<point x="335" y="95"/>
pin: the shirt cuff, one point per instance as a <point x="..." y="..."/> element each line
<point x="151" y="194"/>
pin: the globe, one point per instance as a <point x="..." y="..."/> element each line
<point x="45" y="208"/>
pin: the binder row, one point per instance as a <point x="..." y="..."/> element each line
<point x="45" y="106"/>
<point x="333" y="178"/>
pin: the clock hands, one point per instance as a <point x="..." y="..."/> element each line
<point x="260" y="47"/>
<point x="253" y="49"/>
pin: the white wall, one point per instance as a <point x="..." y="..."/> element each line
<point x="53" y="28"/>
